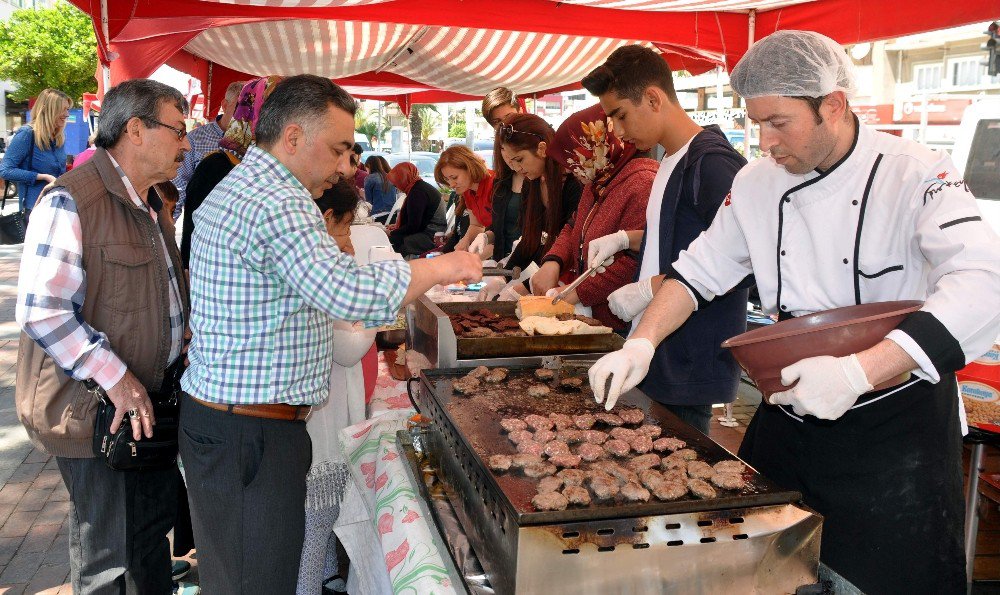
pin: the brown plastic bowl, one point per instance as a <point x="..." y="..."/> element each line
<point x="763" y="352"/>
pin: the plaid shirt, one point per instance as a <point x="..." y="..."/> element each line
<point x="52" y="283"/>
<point x="204" y="140"/>
<point x="266" y="278"/>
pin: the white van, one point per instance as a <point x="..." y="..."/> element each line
<point x="977" y="155"/>
<point x="362" y="140"/>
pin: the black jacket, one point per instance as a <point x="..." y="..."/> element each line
<point x="572" y="190"/>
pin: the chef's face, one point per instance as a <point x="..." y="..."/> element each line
<point x="633" y="122"/>
<point x="458" y="180"/>
<point x="790" y="133"/>
<point x="530" y="164"/>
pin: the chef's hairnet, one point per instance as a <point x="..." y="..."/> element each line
<point x="794" y="64"/>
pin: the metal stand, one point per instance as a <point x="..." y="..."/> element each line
<point x="727" y="420"/>
<point x="972" y="508"/>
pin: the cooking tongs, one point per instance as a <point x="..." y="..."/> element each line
<point x="576" y="283"/>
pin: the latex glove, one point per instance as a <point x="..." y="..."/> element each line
<point x="606" y="247"/>
<point x="626" y="368"/>
<point x="492" y="288"/>
<point x="630" y="300"/>
<point x="478" y="245"/>
<point x="581" y="310"/>
<point x="503" y="261"/>
<point x="827" y="386"/>
<point x="508" y="294"/>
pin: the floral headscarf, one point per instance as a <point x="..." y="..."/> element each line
<point x="240" y="134"/>
<point x="404" y="176"/>
<point x="586" y="145"/>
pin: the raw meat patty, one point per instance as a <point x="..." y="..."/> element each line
<point x="566" y="460"/>
<point x="634" y="492"/>
<point x="668" y="443"/>
<point x="644" y="462"/>
<point x="594" y="436"/>
<point x="549" y="484"/>
<point x="700" y="488"/>
<point x="512" y="424"/>
<point x="632" y="416"/>
<point x="550" y="501"/>
<point x="538" y="422"/>
<point x="519" y="436"/>
<point x="700" y="470"/>
<point x="650" y="430"/>
<point x="561" y="420"/>
<point x="585" y="421"/>
<point x="536" y="470"/>
<point x="572" y="477"/>
<point x="728" y="481"/>
<point x="609" y="419"/>
<point x="570" y="436"/>
<point x="641" y="444"/>
<point x="618" y="448"/>
<point x="577" y="495"/>
<point x="625" y="434"/>
<point x="555" y="447"/>
<point x="500" y="462"/>
<point x="590" y="452"/>
<point x="543" y="436"/>
<point x="531" y="448"/>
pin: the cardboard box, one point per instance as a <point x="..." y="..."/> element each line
<point x="979" y="383"/>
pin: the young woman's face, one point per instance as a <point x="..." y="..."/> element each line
<point x="530" y="164"/>
<point x="458" y="180"/>
<point x="61" y="120"/>
<point x="499" y="113"/>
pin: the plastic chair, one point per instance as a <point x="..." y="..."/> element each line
<point x="367" y="237"/>
<point x="394" y="211"/>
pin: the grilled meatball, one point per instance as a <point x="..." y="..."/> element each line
<point x="590" y="452"/>
<point x="538" y="422"/>
<point x="511" y="424"/>
<point x="650" y="430"/>
<point x="624" y="434"/>
<point x="572" y="477"/>
<point x="561" y="420"/>
<point x="478" y="372"/>
<point x="480" y="332"/>
<point x="668" y="443"/>
<point x="549" y="484"/>
<point x="615" y="470"/>
<point x="594" y="436"/>
<point x="500" y="462"/>
<point x="570" y="436"/>
<point x="730" y="466"/>
<point x="543" y="436"/>
<point x="496" y="375"/>
<point x="728" y="481"/>
<point x="634" y="492"/>
<point x="700" y="470"/>
<point x="522" y="460"/>
<point x="545" y="374"/>
<point x="519" y="436"/>
<point x="673" y="462"/>
<point x="700" y="488"/>
<point x="465" y="385"/>
<point x="531" y="448"/>
<point x="686" y="453"/>
<point x="669" y="490"/>
<point x="676" y="475"/>
<point x="585" y="421"/>
<point x="550" y="501"/>
<point x="618" y="448"/>
<point x="604" y="489"/>
<point x="609" y="419"/>
<point x="556" y="447"/>
<point x="641" y="444"/>
<point x="650" y="477"/>
<point x="566" y="460"/>
<point x="644" y="462"/>
<point x="577" y="495"/>
<point x="571" y="383"/>
<point x="536" y="470"/>
<point x="538" y="390"/>
<point x="632" y="416"/>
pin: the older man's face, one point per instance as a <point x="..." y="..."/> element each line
<point x="326" y="155"/>
<point x="162" y="151"/>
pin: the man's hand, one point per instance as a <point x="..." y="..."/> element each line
<point x="621" y="371"/>
<point x="827" y="386"/>
<point x="605" y="248"/>
<point x="459" y="266"/>
<point x="628" y="301"/>
<point x="544" y="278"/>
<point x="49" y="180"/>
<point x="129" y="396"/>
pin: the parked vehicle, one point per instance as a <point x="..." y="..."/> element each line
<point x="977" y="155"/>
<point x="424" y="160"/>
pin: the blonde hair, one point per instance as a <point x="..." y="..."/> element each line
<point x="498" y="97"/>
<point x="461" y="157"/>
<point x="49" y="106"/>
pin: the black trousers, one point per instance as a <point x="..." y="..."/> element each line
<point x="887" y="477"/>
<point x="246" y="480"/>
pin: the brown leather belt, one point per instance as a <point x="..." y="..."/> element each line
<point x="271" y="411"/>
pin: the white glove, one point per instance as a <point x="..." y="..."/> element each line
<point x="581" y="310"/>
<point x="630" y="300"/>
<point x="492" y="288"/>
<point x="626" y="368"/>
<point x="827" y="386"/>
<point x="605" y="247"/>
<point x="478" y="245"/>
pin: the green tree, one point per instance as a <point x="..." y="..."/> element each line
<point x="368" y="124"/>
<point x="457" y="130"/>
<point x="50" y="47"/>
<point x="419" y="131"/>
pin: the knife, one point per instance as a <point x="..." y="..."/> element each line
<point x="576" y="283"/>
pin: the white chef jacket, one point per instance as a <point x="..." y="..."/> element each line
<point x="890" y="221"/>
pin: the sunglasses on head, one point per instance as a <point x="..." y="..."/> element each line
<point x="507" y="131"/>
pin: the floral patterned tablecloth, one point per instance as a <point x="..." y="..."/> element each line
<point x="413" y="558"/>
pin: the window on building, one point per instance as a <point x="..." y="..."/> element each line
<point x="966" y="72"/>
<point x="927" y="77"/>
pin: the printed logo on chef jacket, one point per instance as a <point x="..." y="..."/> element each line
<point x="729" y="199"/>
<point x="939" y="183"/>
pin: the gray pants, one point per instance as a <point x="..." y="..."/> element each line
<point x="246" y="481"/>
<point x="699" y="416"/>
<point x="118" y="525"/>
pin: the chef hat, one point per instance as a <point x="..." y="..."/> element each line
<point x="794" y="64"/>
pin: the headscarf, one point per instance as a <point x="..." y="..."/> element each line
<point x="240" y="134"/>
<point x="586" y="146"/>
<point x="403" y="176"/>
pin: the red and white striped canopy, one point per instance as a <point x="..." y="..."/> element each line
<point x="673" y="5"/>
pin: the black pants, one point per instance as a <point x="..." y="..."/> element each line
<point x="698" y="416"/>
<point x="887" y="477"/>
<point x="246" y="480"/>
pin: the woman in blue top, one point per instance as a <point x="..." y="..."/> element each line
<point x="36" y="155"/>
<point x="379" y="191"/>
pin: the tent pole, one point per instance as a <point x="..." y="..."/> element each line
<point x="208" y="92"/>
<point x="747" y="124"/>
<point x="105" y="68"/>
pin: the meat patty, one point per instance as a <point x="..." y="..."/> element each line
<point x="650" y="430"/>
<point x="669" y="443"/>
<point x="700" y="470"/>
<point x="549" y="484"/>
<point x="480" y="332"/>
<point x="522" y="460"/>
<point x="625" y="434"/>
<point x="577" y="495"/>
<point x="561" y="420"/>
<point x="538" y="390"/>
<point x="538" y="422"/>
<point x="728" y="481"/>
<point x="618" y="448"/>
<point x="465" y="385"/>
<point x="585" y="421"/>
<point x="571" y="383"/>
<point x="512" y="424"/>
<point x="594" y="436"/>
<point x="570" y="436"/>
<point x="536" y="470"/>
<point x="634" y="492"/>
<point x="673" y="462"/>
<point x="729" y="466"/>
<point x="590" y="452"/>
<point x="644" y="462"/>
<point x="676" y="475"/>
<point x="572" y="477"/>
<point x="686" y="453"/>
<point x="641" y="444"/>
<point x="650" y="477"/>
<point x="496" y="375"/>
<point x="700" y="488"/>
<point x="555" y="448"/>
<point x="519" y="436"/>
<point x="531" y="447"/>
<point x="500" y="462"/>
<point x="545" y="374"/>
<point x="609" y="419"/>
<point x="478" y="372"/>
<point x="543" y="436"/>
<point x="615" y="470"/>
<point x="566" y="460"/>
<point x="550" y="501"/>
<point x="632" y="416"/>
<point x="604" y="489"/>
<point x="669" y="490"/>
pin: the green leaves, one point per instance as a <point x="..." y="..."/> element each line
<point x="51" y="47"/>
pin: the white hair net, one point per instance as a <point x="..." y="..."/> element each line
<point x="794" y="64"/>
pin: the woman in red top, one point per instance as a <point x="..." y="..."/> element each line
<point x="465" y="172"/>
<point x="616" y="189"/>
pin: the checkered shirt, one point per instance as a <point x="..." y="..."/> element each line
<point x="52" y="284"/>
<point x="266" y="280"/>
<point x="204" y="139"/>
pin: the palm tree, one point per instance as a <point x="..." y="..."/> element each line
<point x="419" y="131"/>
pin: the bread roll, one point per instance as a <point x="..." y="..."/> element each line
<point x="538" y="305"/>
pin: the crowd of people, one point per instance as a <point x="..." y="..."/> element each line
<point x="272" y="287"/>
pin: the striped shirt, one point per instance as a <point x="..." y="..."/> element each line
<point x="52" y="283"/>
<point x="204" y="140"/>
<point x="266" y="279"/>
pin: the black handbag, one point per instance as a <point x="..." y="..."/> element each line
<point x="12" y="226"/>
<point x="119" y="449"/>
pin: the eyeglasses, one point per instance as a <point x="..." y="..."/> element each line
<point x="506" y="131"/>
<point x="180" y="132"/>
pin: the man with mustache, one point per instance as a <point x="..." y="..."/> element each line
<point x="100" y="298"/>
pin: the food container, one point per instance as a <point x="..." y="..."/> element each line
<point x="979" y="384"/>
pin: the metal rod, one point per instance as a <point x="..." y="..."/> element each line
<point x="971" y="508"/>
